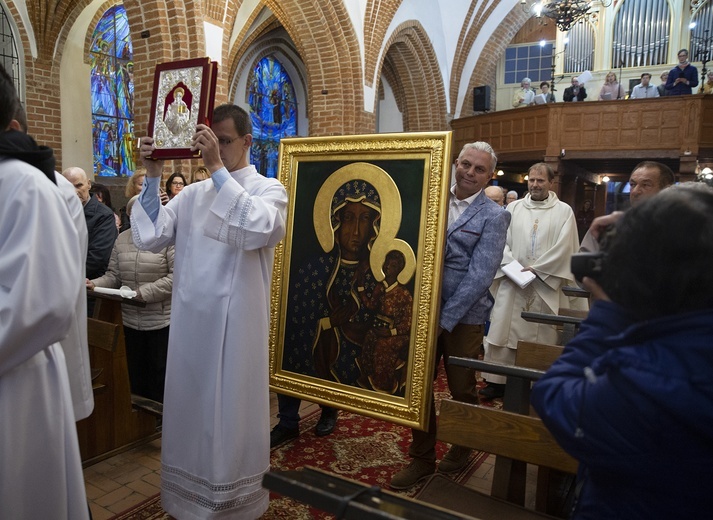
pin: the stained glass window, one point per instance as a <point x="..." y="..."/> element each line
<point x="9" y="57"/>
<point x="273" y="111"/>
<point x="112" y="90"/>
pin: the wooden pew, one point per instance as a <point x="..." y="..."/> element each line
<point x="569" y="324"/>
<point x="507" y="435"/>
<point x="350" y="499"/>
<point x="510" y="475"/>
<point x="114" y="425"/>
<point x="538" y="356"/>
<point x="511" y="435"/>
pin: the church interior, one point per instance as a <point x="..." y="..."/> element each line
<point x="84" y="71"/>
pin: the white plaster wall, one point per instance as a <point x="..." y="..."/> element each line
<point x="389" y="118"/>
<point x="213" y="42"/>
<point x="442" y="21"/>
<point x="75" y="95"/>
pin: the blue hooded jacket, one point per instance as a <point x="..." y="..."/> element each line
<point x="633" y="403"/>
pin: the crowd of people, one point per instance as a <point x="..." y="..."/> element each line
<point x="680" y="80"/>
<point x="192" y="247"/>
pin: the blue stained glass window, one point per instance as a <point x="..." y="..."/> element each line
<point x="112" y="89"/>
<point x="273" y="112"/>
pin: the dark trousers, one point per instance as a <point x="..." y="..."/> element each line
<point x="146" y="352"/>
<point x="464" y="341"/>
<point x="288" y="411"/>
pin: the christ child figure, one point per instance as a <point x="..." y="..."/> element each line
<point x="386" y="345"/>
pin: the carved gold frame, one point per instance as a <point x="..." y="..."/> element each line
<point x="411" y="172"/>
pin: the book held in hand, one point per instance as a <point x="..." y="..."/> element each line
<point x="514" y="271"/>
<point x="183" y="97"/>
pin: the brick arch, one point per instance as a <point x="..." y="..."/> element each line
<point x="377" y="19"/>
<point x="238" y="53"/>
<point x="484" y="72"/>
<point x="50" y="28"/>
<point x="166" y="42"/>
<point x="412" y="69"/>
<point x="48" y="22"/>
<point x="265" y="48"/>
<point x="390" y="73"/>
<point x="332" y="61"/>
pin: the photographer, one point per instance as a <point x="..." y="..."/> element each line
<point x="630" y="397"/>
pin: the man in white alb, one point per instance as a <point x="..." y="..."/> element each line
<point x="41" y="266"/>
<point x="216" y="421"/>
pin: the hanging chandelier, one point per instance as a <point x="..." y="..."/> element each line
<point x="565" y="13"/>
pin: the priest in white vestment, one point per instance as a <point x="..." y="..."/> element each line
<point x="40" y="466"/>
<point x="75" y="345"/>
<point x="215" y="446"/>
<point x="542" y="236"/>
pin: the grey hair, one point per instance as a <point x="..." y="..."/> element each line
<point x="526" y="80"/>
<point x="481" y="146"/>
<point x="512" y="192"/>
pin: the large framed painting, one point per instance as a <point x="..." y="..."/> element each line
<point x="354" y="315"/>
<point x="183" y="97"/>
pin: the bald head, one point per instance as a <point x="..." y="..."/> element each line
<point x="495" y="193"/>
<point x="80" y="181"/>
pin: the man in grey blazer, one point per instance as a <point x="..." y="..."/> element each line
<point x="477" y="229"/>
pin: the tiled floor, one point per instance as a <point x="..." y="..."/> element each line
<point x="124" y="480"/>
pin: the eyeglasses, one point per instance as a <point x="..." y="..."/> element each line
<point x="177" y="183"/>
<point x="225" y="142"/>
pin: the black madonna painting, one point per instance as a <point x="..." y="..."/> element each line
<point x="353" y="316"/>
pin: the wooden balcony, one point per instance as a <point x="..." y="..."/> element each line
<point x="592" y="138"/>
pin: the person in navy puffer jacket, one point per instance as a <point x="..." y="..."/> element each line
<point x="631" y="397"/>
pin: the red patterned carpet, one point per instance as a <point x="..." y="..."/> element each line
<point x="361" y="448"/>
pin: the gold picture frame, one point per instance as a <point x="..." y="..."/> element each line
<point x="356" y="282"/>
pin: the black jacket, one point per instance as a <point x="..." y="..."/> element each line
<point x="101" y="228"/>
<point x="569" y="94"/>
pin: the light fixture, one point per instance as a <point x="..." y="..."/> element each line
<point x="500" y="173"/>
<point x="606" y="178"/>
<point x="565" y="13"/>
<point x="526" y="177"/>
<point x="706" y="175"/>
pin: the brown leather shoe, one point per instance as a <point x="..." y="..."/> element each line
<point x="456" y="458"/>
<point x="412" y="474"/>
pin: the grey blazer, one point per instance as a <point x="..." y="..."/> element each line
<point x="474" y="249"/>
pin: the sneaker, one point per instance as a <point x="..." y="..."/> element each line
<point x="327" y="422"/>
<point x="456" y="458"/>
<point x="492" y="391"/>
<point x="280" y="434"/>
<point x="412" y="474"/>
